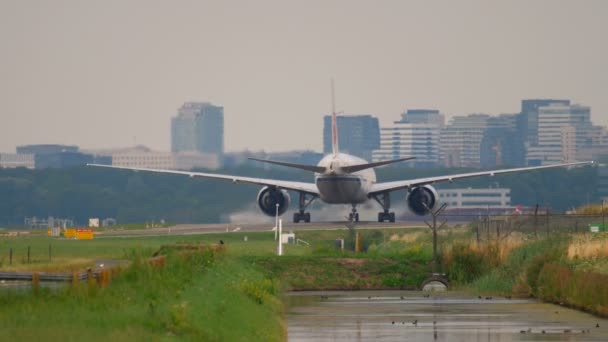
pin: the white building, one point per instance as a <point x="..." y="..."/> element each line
<point x="143" y="157"/>
<point x="13" y="160"/>
<point x="468" y="198"/>
<point x="409" y="140"/>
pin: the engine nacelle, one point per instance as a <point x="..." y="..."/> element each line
<point x="421" y="200"/>
<point x="269" y="197"/>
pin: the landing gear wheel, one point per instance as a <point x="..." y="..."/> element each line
<point x="297" y="217"/>
<point x="386" y="216"/>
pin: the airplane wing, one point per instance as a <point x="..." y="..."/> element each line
<point x="309" y="188"/>
<point x="396" y="185"/>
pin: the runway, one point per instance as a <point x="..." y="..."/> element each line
<point x="195" y="229"/>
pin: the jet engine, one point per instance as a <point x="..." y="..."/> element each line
<point x="269" y="197"/>
<point x="421" y="200"/>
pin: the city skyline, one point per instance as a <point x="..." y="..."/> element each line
<point x="113" y="74"/>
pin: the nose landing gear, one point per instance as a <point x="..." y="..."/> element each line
<point x="354" y="215"/>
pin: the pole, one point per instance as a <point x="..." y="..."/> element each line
<point x="28" y="254"/>
<point x="276" y="223"/>
<point x="10" y="256"/>
<point x="280" y="229"/>
<point x="434" y="243"/>
<point x="50" y="258"/>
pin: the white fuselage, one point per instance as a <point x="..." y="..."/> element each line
<point x="338" y="187"/>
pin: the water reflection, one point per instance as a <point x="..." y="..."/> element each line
<point x="411" y="316"/>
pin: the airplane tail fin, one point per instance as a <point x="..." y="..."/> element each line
<point x="334" y="123"/>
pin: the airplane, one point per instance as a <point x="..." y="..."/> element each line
<point x="340" y="178"/>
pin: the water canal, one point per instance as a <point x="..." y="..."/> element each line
<point x="448" y="316"/>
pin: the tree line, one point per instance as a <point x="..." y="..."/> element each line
<point x="83" y="192"/>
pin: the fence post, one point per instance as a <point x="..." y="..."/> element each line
<point x="536" y="221"/>
<point x="547" y="221"/>
<point x="498" y="224"/>
<point x="35" y="281"/>
<point x="28" y="254"/>
<point x="10" y="256"/>
<point x="50" y="258"/>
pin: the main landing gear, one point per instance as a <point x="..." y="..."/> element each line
<point x="384" y="200"/>
<point x="354" y="215"/>
<point x="302" y="215"/>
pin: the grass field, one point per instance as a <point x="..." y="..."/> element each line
<point x="234" y="296"/>
<point x="68" y="254"/>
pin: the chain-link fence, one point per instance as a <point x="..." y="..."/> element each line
<point x="540" y="223"/>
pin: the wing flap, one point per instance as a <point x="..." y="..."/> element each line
<point x="309" y="188"/>
<point x="355" y="168"/>
<point x="311" y="168"/>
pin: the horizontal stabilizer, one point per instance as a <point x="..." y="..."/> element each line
<point x="311" y="168"/>
<point x="355" y="168"/>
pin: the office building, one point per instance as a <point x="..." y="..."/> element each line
<point x="528" y="121"/>
<point x="502" y="143"/>
<point x="460" y="140"/>
<point x="401" y="140"/>
<point x="563" y="132"/>
<point x="358" y="135"/>
<point x="423" y="116"/>
<point x="198" y="127"/>
<point x="143" y="157"/>
<point x="60" y="156"/>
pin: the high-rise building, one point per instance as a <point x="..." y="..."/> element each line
<point x="563" y="132"/>
<point x="528" y="121"/>
<point x="415" y="135"/>
<point x="502" y="143"/>
<point x="460" y="140"/>
<point x="198" y="127"/>
<point x="358" y="135"/>
<point x="403" y="140"/>
<point x="423" y="116"/>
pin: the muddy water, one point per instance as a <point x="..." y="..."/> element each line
<point x="410" y="316"/>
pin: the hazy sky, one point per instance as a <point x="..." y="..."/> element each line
<point x="113" y="73"/>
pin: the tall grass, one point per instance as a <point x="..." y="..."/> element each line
<point x="190" y="298"/>
<point x="585" y="290"/>
<point x="588" y="246"/>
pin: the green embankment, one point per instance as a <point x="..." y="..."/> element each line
<point x="195" y="296"/>
<point x="235" y="296"/>
<point x="229" y="297"/>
